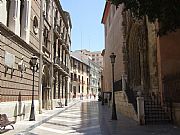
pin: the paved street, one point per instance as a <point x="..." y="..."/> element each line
<point x="81" y="119"/>
<point x="90" y="118"/>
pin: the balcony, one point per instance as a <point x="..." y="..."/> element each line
<point x="62" y="37"/>
<point x="46" y="51"/>
<point x="65" y="69"/>
<point x="75" y="79"/>
<point x="57" y="60"/>
<point x="66" y="48"/>
<point x="57" y="63"/>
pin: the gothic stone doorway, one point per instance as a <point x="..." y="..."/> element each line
<point x="46" y="88"/>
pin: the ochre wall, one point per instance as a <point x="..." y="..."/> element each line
<point x="113" y="43"/>
<point x="168" y="55"/>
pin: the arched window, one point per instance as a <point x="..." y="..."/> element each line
<point x="35" y="25"/>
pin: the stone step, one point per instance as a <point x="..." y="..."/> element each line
<point x="149" y="122"/>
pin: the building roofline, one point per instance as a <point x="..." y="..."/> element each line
<point x="106" y="11"/>
<point x="61" y="11"/>
<point x="78" y="59"/>
<point x="69" y="18"/>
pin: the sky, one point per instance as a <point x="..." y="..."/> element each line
<point x="87" y="30"/>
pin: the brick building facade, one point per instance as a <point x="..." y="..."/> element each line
<point x="28" y="28"/>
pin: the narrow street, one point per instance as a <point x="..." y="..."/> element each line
<point x="84" y="119"/>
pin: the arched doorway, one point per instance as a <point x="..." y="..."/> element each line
<point x="46" y="88"/>
<point x="138" y="68"/>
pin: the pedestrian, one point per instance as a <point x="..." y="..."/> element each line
<point x="94" y="96"/>
<point x="109" y="98"/>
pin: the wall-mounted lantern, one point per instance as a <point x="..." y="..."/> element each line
<point x="21" y="66"/>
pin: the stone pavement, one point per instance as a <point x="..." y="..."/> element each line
<point x="89" y="117"/>
<point x="26" y="125"/>
<point x="80" y="119"/>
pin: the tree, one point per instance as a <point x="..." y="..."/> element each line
<point x="167" y="12"/>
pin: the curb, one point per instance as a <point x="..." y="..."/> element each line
<point x="45" y="120"/>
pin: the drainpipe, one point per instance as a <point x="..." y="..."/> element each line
<point x="40" y="57"/>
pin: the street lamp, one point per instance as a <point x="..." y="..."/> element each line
<point x="34" y="68"/>
<point x="102" y="93"/>
<point x="66" y="80"/>
<point x="114" y="116"/>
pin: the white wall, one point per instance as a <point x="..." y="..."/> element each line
<point x="3" y="12"/>
<point x="14" y="15"/>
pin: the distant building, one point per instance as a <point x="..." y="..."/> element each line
<point x="79" y="77"/>
<point x="95" y="56"/>
<point x="94" y="72"/>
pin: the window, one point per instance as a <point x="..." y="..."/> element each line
<point x="55" y="18"/>
<point x="78" y="67"/>
<point x="21" y="11"/>
<point x="46" y="36"/>
<point x="71" y="76"/>
<point x="8" y="10"/>
<point x="47" y="7"/>
<point x="87" y="81"/>
<point x="82" y="79"/>
<point x="16" y="10"/>
<point x="82" y="68"/>
<point x="35" y="25"/>
<point x="75" y="77"/>
<point x="27" y="14"/>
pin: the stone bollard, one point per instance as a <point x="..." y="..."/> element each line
<point x="124" y="79"/>
<point x="140" y="110"/>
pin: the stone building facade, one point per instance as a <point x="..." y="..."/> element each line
<point x="80" y="82"/>
<point x="27" y="28"/>
<point x="94" y="70"/>
<point x="144" y="62"/>
<point x="96" y="56"/>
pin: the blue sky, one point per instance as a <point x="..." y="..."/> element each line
<point x="87" y="31"/>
